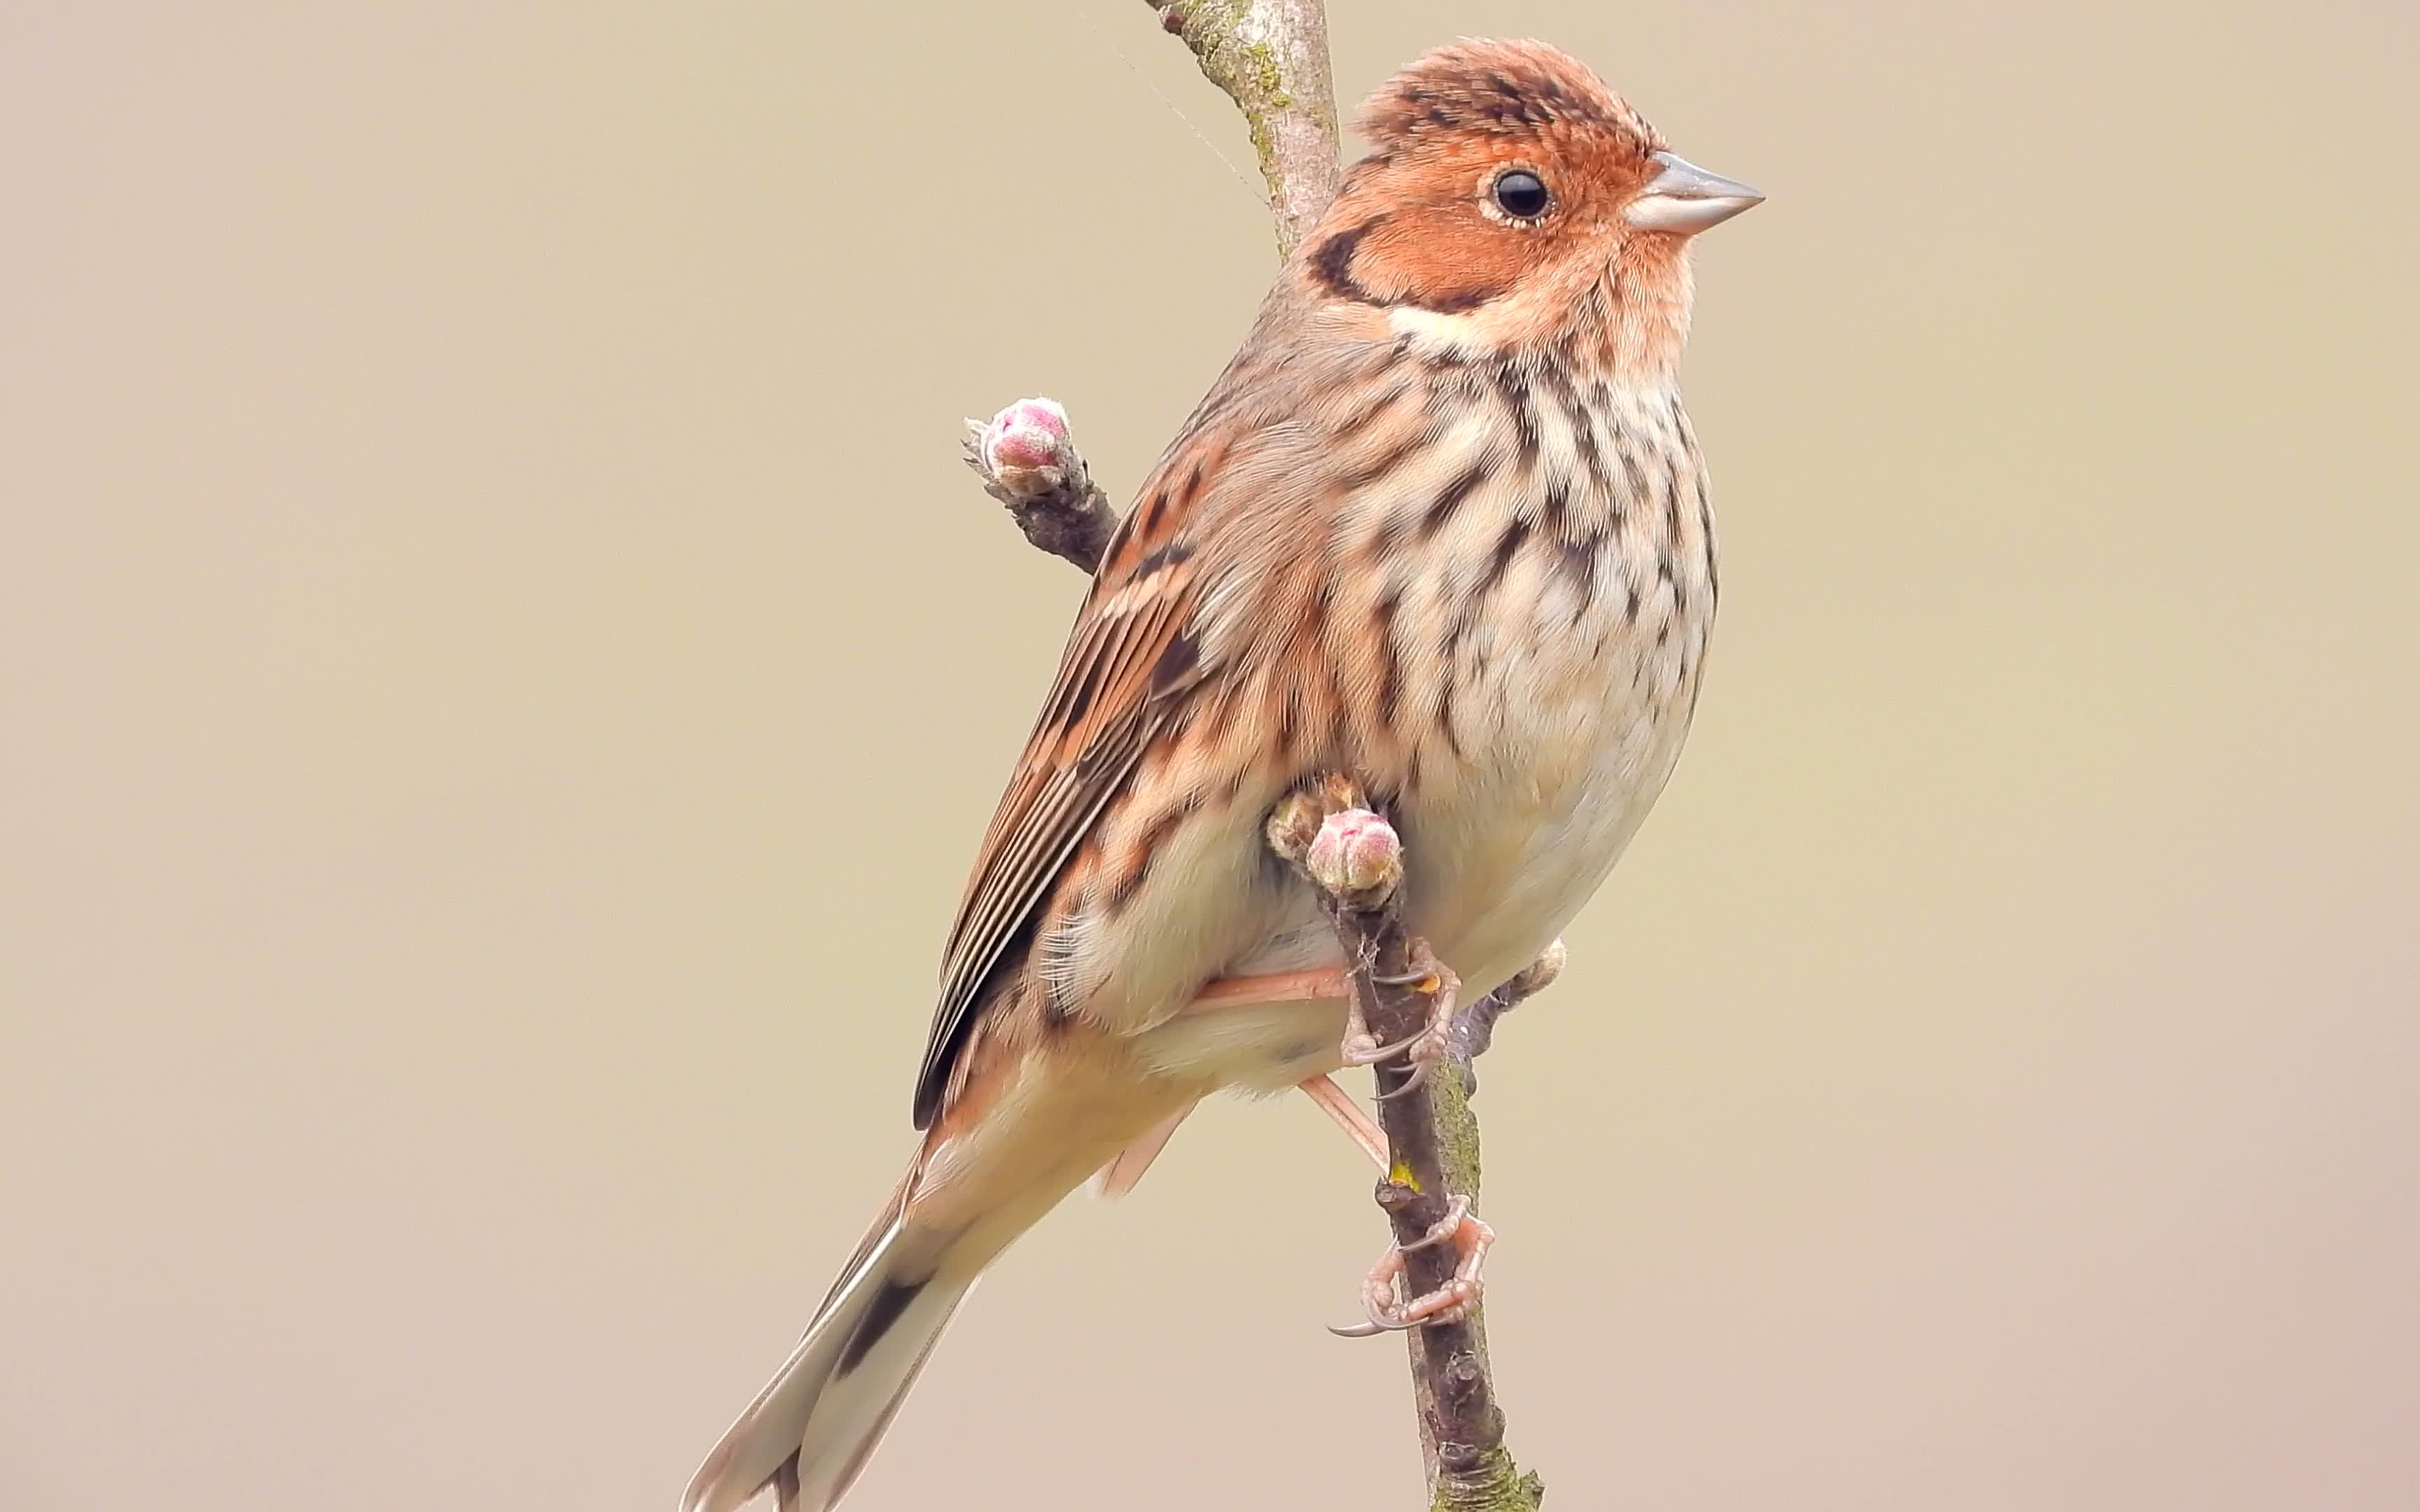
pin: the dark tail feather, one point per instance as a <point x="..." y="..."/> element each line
<point x="811" y="1431"/>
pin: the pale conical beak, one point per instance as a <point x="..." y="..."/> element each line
<point x="1686" y="198"/>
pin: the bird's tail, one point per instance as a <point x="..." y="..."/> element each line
<point x="977" y="1184"/>
<point x="811" y="1429"/>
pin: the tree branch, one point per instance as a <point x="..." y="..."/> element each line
<point x="1433" y="1150"/>
<point x="1027" y="461"/>
<point x="1270" y="56"/>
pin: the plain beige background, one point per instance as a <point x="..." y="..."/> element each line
<point x="503" y="676"/>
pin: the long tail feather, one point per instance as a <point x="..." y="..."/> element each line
<point x="811" y="1431"/>
<point x="1010" y="1148"/>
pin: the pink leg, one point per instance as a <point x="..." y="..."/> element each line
<point x="1448" y="1304"/>
<point x="1338" y="1103"/>
<point x="1430" y="976"/>
<point x="1278" y="987"/>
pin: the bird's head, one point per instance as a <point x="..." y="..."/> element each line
<point x="1511" y="199"/>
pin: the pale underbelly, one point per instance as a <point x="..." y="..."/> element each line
<point x="1498" y="862"/>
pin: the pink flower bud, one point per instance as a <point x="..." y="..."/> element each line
<point x="1358" y="858"/>
<point x="1024" y="440"/>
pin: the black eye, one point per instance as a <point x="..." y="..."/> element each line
<point x="1521" y="196"/>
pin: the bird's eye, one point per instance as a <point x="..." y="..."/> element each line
<point x="1521" y="194"/>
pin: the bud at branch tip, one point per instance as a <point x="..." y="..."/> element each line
<point x="1358" y="858"/>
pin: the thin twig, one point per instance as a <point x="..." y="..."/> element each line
<point x="1271" y="58"/>
<point x="1434" y="1157"/>
<point x="1474" y="1027"/>
<point x="1029" y="462"/>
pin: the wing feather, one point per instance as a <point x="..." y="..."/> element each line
<point x="1115" y="690"/>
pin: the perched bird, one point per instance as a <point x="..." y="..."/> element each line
<point x="1441" y="524"/>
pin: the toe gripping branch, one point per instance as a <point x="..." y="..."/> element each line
<point x="1403" y="1022"/>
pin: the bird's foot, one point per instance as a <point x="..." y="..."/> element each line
<point x="1448" y="1304"/>
<point x="1431" y="979"/>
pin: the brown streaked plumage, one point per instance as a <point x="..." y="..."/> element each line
<point x="1441" y="523"/>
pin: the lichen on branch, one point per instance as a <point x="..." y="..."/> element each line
<point x="1270" y="56"/>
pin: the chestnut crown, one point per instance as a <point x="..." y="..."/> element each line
<point x="1502" y="174"/>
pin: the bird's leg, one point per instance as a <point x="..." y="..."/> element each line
<point x="1428" y="976"/>
<point x="1276" y="987"/>
<point x="1360" y="1127"/>
<point x="1448" y="1304"/>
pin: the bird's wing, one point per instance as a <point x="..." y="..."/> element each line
<point x="1132" y="656"/>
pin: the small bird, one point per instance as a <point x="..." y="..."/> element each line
<point x="1441" y="524"/>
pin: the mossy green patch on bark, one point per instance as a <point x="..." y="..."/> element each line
<point x="1498" y="1486"/>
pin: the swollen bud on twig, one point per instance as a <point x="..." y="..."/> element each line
<point x="1024" y="448"/>
<point x="1027" y="460"/>
<point x="1356" y="858"/>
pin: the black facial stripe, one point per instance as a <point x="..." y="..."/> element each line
<point x="1331" y="264"/>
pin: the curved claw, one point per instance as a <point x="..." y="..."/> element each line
<point x="1432" y="979"/>
<point x="1450" y="1303"/>
<point x="1375" y="1054"/>
<point x="1444" y="1228"/>
<point x="1412" y="1083"/>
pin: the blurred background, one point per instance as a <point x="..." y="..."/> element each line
<point x="503" y="674"/>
